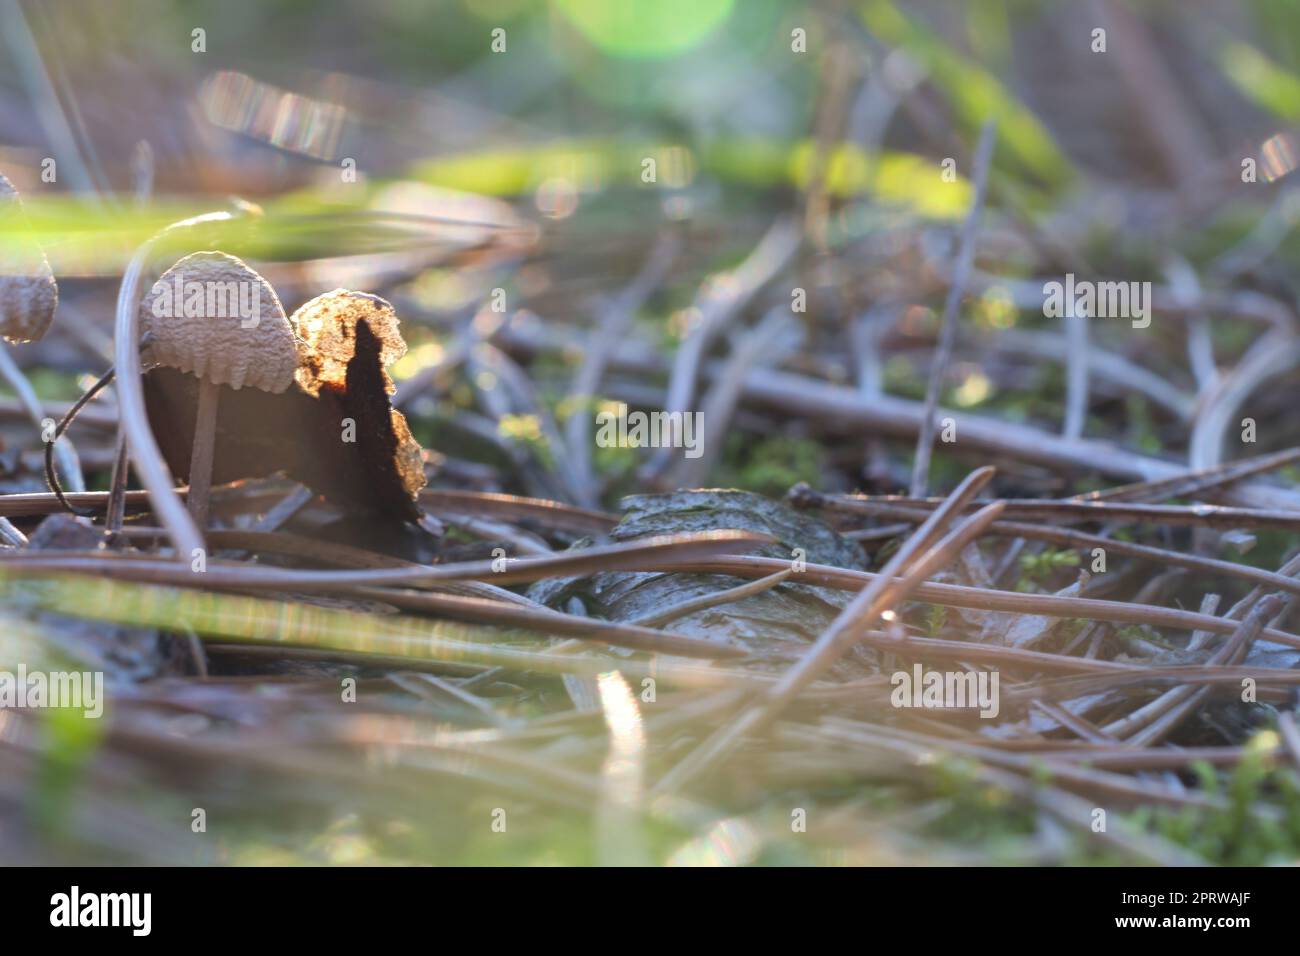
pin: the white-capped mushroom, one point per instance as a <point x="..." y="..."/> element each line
<point x="28" y="292"/>
<point x="212" y="316"/>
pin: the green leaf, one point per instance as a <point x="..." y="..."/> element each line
<point x="976" y="94"/>
<point x="1260" y="80"/>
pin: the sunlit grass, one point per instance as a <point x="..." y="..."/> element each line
<point x="976" y="94"/>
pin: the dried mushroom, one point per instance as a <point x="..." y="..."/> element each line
<point x="333" y="429"/>
<point x="346" y="340"/>
<point x="28" y="293"/>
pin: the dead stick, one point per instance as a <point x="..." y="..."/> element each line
<point x="1080" y="540"/>
<point x="985" y="599"/>
<point x="1209" y="516"/>
<point x="948" y="332"/>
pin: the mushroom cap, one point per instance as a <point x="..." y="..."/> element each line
<point x="214" y="317"/>
<point x="28" y="292"/>
<point x="327" y="329"/>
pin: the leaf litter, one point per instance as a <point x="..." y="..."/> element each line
<point x="380" y="646"/>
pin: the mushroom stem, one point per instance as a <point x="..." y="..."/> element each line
<point x="205" y="428"/>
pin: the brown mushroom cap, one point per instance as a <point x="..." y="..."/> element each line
<point x="216" y="318"/>
<point x="346" y="339"/>
<point x="28" y="292"/>
<point x="327" y="330"/>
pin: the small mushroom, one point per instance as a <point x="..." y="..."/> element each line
<point x="327" y="329"/>
<point x="213" y="317"/>
<point x="346" y="341"/>
<point x="28" y="292"/>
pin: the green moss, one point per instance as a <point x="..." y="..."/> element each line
<point x="1238" y="834"/>
<point x="1047" y="562"/>
<point x="769" y="465"/>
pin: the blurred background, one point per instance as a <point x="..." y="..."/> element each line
<point x="545" y="118"/>
<point x="533" y="182"/>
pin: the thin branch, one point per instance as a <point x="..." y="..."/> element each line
<point x="717" y="598"/>
<point x="1081" y="541"/>
<point x="718" y="302"/>
<point x="64" y="454"/>
<point x="1073" y="510"/>
<point x="948" y="332"/>
<point x="986" y="599"/>
<point x="613" y="320"/>
<point x="1076" y="374"/>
